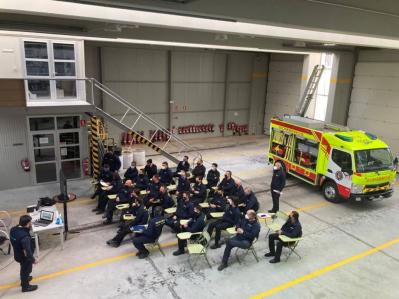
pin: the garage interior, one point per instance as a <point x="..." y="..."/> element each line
<point x="213" y="74"/>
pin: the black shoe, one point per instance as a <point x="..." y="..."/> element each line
<point x="178" y="252"/>
<point x="222" y="266"/>
<point x="114" y="244"/>
<point x="106" y="222"/>
<point x="269" y="254"/>
<point x="271" y="211"/>
<point x="143" y="255"/>
<point x="215" y="246"/>
<point x="95" y="210"/>
<point x="275" y="260"/>
<point x="29" y="288"/>
<point x="99" y="212"/>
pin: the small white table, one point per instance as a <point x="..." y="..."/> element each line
<point x="45" y="229"/>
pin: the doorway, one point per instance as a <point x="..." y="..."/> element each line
<point x="55" y="144"/>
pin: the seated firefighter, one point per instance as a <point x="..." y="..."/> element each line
<point x="123" y="196"/>
<point x="198" y="171"/>
<point x="149" y="234"/>
<point x="140" y="218"/>
<point x="195" y="225"/>
<point x="246" y="231"/>
<point x="150" y="169"/>
<point x="105" y="177"/>
<point x="183" y="185"/>
<point x="292" y="228"/>
<point x="142" y="180"/>
<point x="183" y="165"/>
<point x="198" y="192"/>
<point x="184" y="210"/>
<point x="217" y="203"/>
<point x="165" y="174"/>
<point x="111" y="189"/>
<point x="228" y="184"/>
<point x="131" y="173"/>
<point x="152" y="192"/>
<point x="231" y="218"/>
<point x="213" y="176"/>
<point x="250" y="200"/>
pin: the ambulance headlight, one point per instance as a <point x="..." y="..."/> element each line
<point x="356" y="189"/>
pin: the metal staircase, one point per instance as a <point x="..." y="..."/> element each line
<point x="131" y="117"/>
<point x="309" y="91"/>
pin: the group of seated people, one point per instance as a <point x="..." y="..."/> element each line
<point x="152" y="199"/>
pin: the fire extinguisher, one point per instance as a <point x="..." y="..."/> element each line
<point x="25" y="164"/>
<point x="86" y="166"/>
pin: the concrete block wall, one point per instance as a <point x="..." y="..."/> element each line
<point x="374" y="105"/>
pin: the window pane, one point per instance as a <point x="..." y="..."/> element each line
<point x="64" y="68"/>
<point x="39" y="89"/>
<point x="46" y="172"/>
<point x="68" y="122"/>
<point x="69" y="152"/>
<point x="37" y="68"/>
<point x="71" y="169"/>
<point x="64" y="51"/>
<point x="66" y="89"/>
<point x="35" y="50"/>
<point x="41" y="123"/>
<point x="342" y="159"/>
<point x="43" y="140"/>
<point x="69" y="138"/>
<point x="44" y="154"/>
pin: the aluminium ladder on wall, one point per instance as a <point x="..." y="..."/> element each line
<point x="309" y="91"/>
<point x="132" y="116"/>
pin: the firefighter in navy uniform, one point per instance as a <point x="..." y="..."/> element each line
<point x="277" y="185"/>
<point x="22" y="244"/>
<point x="213" y="176"/>
<point x="165" y="174"/>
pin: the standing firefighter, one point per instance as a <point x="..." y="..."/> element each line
<point x="277" y="185"/>
<point x="23" y="251"/>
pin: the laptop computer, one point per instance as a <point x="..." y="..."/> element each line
<point x="46" y="218"/>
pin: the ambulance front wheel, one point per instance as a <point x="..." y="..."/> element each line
<point x="330" y="192"/>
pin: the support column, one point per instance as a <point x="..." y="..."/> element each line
<point x="94" y="150"/>
<point x="226" y="82"/>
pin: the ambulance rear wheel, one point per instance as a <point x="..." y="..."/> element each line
<point x="330" y="192"/>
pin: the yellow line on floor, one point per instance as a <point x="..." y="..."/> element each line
<point x="324" y="270"/>
<point x="82" y="267"/>
<point x="317" y="205"/>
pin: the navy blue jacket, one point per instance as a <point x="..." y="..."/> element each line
<point x="165" y="176"/>
<point x="220" y="203"/>
<point x="228" y="186"/>
<point x="292" y="230"/>
<point x="141" y="214"/>
<point x="183" y="166"/>
<point x="106" y="176"/>
<point x="232" y="215"/>
<point x="278" y="180"/>
<point x="251" y="230"/>
<point x="131" y="174"/>
<point x="183" y="210"/>
<point x="196" y="224"/>
<point x="154" y="228"/>
<point x="125" y="194"/>
<point x="198" y="197"/>
<point x="239" y="192"/>
<point x="183" y="185"/>
<point x="199" y="170"/>
<point x="142" y="182"/>
<point x="113" y="161"/>
<point x="150" y="170"/>
<point x="116" y="186"/>
<point x="166" y="200"/>
<point x="213" y="177"/>
<point x="154" y="190"/>
<point x="251" y="202"/>
<point x="21" y="242"/>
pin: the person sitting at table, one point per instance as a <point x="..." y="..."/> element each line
<point x="165" y="201"/>
<point x="142" y="180"/>
<point x="195" y="225"/>
<point x="183" y="185"/>
<point x="217" y="203"/>
<point x="227" y="184"/>
<point x="150" y="169"/>
<point x="165" y="174"/>
<point x="230" y="218"/>
<point x="105" y="176"/>
<point x="123" y="196"/>
<point x="198" y="171"/>
<point x="184" y="210"/>
<point x="112" y="189"/>
<point x="246" y="231"/>
<point x="292" y="228"/>
<point x="213" y="176"/>
<point x="132" y="173"/>
<point x="198" y="192"/>
<point x="150" y="234"/>
<point x="151" y="199"/>
<point x="239" y="191"/>
<point x="140" y="214"/>
<point x="250" y="200"/>
<point x="183" y="165"/>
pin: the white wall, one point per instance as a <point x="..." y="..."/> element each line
<point x="284" y="86"/>
<point x="11" y="57"/>
<point x="374" y="101"/>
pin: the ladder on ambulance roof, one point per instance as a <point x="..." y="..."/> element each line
<point x="127" y="117"/>
<point x="309" y="91"/>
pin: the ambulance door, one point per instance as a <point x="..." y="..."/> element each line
<point x="340" y="171"/>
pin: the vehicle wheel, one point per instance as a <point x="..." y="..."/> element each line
<point x="330" y="192"/>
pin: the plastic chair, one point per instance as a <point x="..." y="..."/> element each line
<point x="246" y="251"/>
<point x="278" y="220"/>
<point x="156" y="244"/>
<point x="4" y="239"/>
<point x="199" y="247"/>
<point x="291" y="244"/>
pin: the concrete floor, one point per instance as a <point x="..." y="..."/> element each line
<point x="342" y="256"/>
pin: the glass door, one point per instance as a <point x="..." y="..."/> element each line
<point x="44" y="157"/>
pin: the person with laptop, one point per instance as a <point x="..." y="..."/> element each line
<point x="23" y="247"/>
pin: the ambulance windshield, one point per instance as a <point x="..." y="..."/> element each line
<point x="373" y="160"/>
